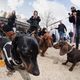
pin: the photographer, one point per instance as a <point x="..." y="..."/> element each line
<point x="74" y="18"/>
<point x="34" y="22"/>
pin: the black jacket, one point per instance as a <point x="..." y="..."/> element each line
<point x="34" y="22"/>
<point x="61" y="28"/>
<point x="11" y="23"/>
<point x="72" y="19"/>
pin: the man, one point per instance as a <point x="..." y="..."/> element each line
<point x="34" y="22"/>
<point x="74" y="18"/>
<point x="61" y="30"/>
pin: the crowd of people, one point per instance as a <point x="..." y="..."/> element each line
<point x="74" y="18"/>
<point x="8" y="34"/>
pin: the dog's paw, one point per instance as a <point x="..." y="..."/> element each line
<point x="63" y="63"/>
<point x="70" y="69"/>
<point x="42" y="55"/>
<point x="9" y="73"/>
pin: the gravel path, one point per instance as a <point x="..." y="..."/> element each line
<point x="51" y="68"/>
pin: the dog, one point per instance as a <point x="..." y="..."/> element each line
<point x="45" y="42"/>
<point x="23" y="49"/>
<point x="73" y="55"/>
<point x="27" y="49"/>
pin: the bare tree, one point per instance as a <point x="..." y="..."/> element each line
<point x="48" y="19"/>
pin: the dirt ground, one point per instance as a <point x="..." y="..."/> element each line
<point x="51" y="68"/>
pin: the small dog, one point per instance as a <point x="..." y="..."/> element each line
<point x="73" y="55"/>
<point x="45" y="42"/>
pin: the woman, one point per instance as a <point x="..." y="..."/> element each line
<point x="11" y="22"/>
<point x="34" y="22"/>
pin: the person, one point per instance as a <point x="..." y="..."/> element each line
<point x="44" y="30"/>
<point x="74" y="18"/>
<point x="61" y="30"/>
<point x="71" y="36"/>
<point x="34" y="22"/>
<point x="54" y="37"/>
<point x="11" y="22"/>
<point x="39" y="31"/>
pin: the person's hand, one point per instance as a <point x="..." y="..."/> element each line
<point x="33" y="17"/>
<point x="74" y="14"/>
<point x="70" y="14"/>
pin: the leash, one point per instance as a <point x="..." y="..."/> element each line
<point x="70" y="50"/>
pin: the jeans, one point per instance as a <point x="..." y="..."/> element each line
<point x="62" y="36"/>
<point x="77" y="36"/>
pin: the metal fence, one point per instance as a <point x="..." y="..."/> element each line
<point x="19" y="24"/>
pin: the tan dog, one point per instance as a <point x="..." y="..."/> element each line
<point x="73" y="55"/>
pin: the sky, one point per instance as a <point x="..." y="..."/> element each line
<point x="58" y="8"/>
<point x="26" y="7"/>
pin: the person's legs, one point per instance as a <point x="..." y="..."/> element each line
<point x="71" y="39"/>
<point x="74" y="33"/>
<point x="60" y="35"/>
<point x="64" y="36"/>
<point x="77" y="38"/>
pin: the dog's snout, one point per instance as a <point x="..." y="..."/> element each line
<point x="36" y="72"/>
<point x="33" y="69"/>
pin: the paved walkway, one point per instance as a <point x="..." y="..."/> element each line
<point x="51" y="68"/>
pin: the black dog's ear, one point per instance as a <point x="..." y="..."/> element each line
<point x="15" y="40"/>
<point x="14" y="45"/>
<point x="15" y="51"/>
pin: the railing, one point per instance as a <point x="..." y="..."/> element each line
<point x="18" y="23"/>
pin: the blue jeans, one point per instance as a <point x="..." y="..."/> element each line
<point x="62" y="35"/>
<point x="77" y="36"/>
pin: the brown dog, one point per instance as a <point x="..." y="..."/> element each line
<point x="45" y="42"/>
<point x="73" y="55"/>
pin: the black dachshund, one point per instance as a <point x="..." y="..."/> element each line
<point x="24" y="50"/>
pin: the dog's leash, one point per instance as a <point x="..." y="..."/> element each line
<point x="70" y="50"/>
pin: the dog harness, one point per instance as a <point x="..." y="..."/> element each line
<point x="7" y="53"/>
